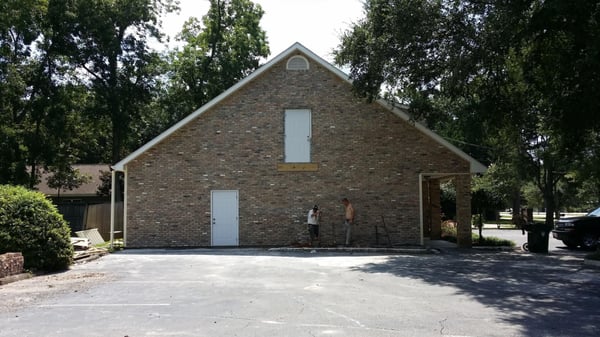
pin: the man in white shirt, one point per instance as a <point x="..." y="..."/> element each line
<point x="314" y="216"/>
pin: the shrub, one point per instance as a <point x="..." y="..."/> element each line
<point x="449" y="231"/>
<point x="491" y="241"/>
<point x="31" y="224"/>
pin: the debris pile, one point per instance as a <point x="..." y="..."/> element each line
<point x="89" y="254"/>
<point x="87" y="245"/>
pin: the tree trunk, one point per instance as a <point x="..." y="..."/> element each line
<point x="550" y="207"/>
<point x="548" y="193"/>
<point x="597" y="198"/>
<point x="516" y="206"/>
<point x="116" y="115"/>
<point x="117" y="141"/>
<point x="33" y="175"/>
<point x="480" y="226"/>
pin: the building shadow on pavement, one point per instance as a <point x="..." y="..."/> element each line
<point x="544" y="295"/>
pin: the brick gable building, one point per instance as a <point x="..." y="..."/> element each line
<point x="244" y="169"/>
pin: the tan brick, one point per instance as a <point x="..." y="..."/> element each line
<point x="364" y="152"/>
<point x="11" y="264"/>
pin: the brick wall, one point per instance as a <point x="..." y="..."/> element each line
<point x="364" y="153"/>
<point x="11" y="264"/>
<point x="463" y="211"/>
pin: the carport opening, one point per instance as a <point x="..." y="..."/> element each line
<point x="439" y="205"/>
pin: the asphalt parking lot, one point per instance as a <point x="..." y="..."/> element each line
<point x="254" y="292"/>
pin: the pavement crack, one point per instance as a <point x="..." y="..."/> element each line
<point x="442" y="327"/>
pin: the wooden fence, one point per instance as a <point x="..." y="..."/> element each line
<point x="74" y="214"/>
<point x="98" y="216"/>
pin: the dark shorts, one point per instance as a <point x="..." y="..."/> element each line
<point x="314" y="231"/>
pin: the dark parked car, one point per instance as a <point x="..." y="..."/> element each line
<point x="581" y="231"/>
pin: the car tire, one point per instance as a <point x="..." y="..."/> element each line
<point x="570" y="244"/>
<point x="589" y="241"/>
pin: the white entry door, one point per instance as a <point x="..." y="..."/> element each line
<point x="297" y="135"/>
<point x="225" y="218"/>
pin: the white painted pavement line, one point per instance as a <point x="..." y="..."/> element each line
<point x="359" y="324"/>
<point x="355" y="324"/>
<point x="104" y="305"/>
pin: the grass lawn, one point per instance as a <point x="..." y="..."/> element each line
<point x="449" y="234"/>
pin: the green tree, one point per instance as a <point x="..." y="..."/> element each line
<point x="562" y="62"/>
<point x="109" y="42"/>
<point x="40" y="101"/>
<point x="217" y="52"/>
<point x="66" y="178"/>
<point x="495" y="62"/>
<point x="586" y="176"/>
<point x="448" y="200"/>
<point x="533" y="198"/>
<point x="20" y="26"/>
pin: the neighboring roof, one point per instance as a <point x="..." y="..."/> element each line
<point x="86" y="190"/>
<point x="475" y="166"/>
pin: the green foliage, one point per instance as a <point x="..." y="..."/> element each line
<point x="105" y="187"/>
<point x="40" y="101"/>
<point x="20" y="26"/>
<point x="532" y="195"/>
<point x="109" y="42"/>
<point x="490" y="241"/>
<point x="448" y="200"/>
<point x="586" y="176"/>
<point x="67" y="178"/>
<point x="218" y="51"/>
<point x="500" y="180"/>
<point x="30" y="224"/>
<point x="518" y="78"/>
<point x="562" y="62"/>
<point x="449" y="232"/>
<point x="485" y="199"/>
<point x="79" y="82"/>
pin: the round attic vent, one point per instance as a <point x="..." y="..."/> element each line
<point x="297" y="63"/>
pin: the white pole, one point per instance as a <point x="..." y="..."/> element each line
<point x="125" y="191"/>
<point x="112" y="207"/>
<point x="421" y="208"/>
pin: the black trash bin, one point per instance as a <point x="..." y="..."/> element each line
<point x="537" y="237"/>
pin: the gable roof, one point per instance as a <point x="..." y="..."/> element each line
<point x="475" y="166"/>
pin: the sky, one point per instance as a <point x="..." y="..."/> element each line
<point x="317" y="24"/>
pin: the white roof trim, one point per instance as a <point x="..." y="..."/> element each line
<point x="476" y="167"/>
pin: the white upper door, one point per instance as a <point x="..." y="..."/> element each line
<point x="297" y="135"/>
<point x="225" y="218"/>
